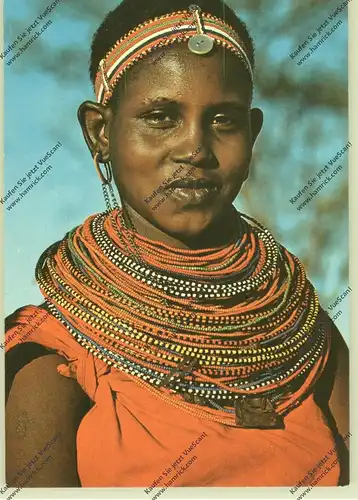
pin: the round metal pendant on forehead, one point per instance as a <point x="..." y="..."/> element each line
<point x="201" y="44"/>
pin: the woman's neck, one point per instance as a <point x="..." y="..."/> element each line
<point x="222" y="232"/>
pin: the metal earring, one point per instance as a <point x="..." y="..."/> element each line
<point x="112" y="204"/>
<point x="106" y="179"/>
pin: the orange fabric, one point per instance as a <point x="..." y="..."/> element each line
<point x="130" y="437"/>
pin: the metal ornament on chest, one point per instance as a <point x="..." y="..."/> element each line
<point x="251" y="412"/>
<point x="257" y="413"/>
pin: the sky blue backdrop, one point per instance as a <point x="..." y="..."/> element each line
<point x="306" y="123"/>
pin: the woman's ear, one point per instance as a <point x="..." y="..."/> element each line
<point x="95" y="120"/>
<point x="257" y="119"/>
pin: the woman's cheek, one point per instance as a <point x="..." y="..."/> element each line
<point x="235" y="179"/>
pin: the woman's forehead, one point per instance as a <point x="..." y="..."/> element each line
<point x="178" y="69"/>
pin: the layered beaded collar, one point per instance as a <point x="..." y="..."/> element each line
<point x="229" y="334"/>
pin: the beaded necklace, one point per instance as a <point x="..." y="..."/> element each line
<point x="206" y="330"/>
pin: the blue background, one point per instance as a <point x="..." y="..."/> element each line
<point x="306" y="123"/>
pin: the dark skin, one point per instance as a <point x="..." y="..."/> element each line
<point x="159" y="116"/>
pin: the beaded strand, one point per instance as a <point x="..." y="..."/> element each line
<point x="245" y="314"/>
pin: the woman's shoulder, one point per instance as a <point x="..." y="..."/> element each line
<point x="21" y="319"/>
<point x="26" y="310"/>
<point x="36" y="324"/>
<point x="44" y="407"/>
<point x="27" y="354"/>
<point x="18" y="352"/>
<point x="32" y="332"/>
<point x="41" y="403"/>
<point x="35" y="331"/>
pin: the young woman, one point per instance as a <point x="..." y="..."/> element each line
<point x="179" y="344"/>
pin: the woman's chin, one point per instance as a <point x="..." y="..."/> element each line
<point x="192" y="227"/>
<point x="188" y="225"/>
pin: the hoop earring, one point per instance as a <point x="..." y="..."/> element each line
<point x="112" y="204"/>
<point x="106" y="179"/>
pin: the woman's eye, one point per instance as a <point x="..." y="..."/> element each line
<point x="161" y="118"/>
<point x="224" y="121"/>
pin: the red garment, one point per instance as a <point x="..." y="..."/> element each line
<point x="130" y="437"/>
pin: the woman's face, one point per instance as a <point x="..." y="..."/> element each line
<point x="179" y="137"/>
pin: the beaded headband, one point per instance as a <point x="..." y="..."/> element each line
<point x="181" y="26"/>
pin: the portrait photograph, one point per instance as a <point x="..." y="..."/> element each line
<point x="176" y="296"/>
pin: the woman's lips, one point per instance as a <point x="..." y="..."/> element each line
<point x="192" y="195"/>
<point x="192" y="190"/>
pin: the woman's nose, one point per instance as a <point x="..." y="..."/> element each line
<point x="194" y="147"/>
